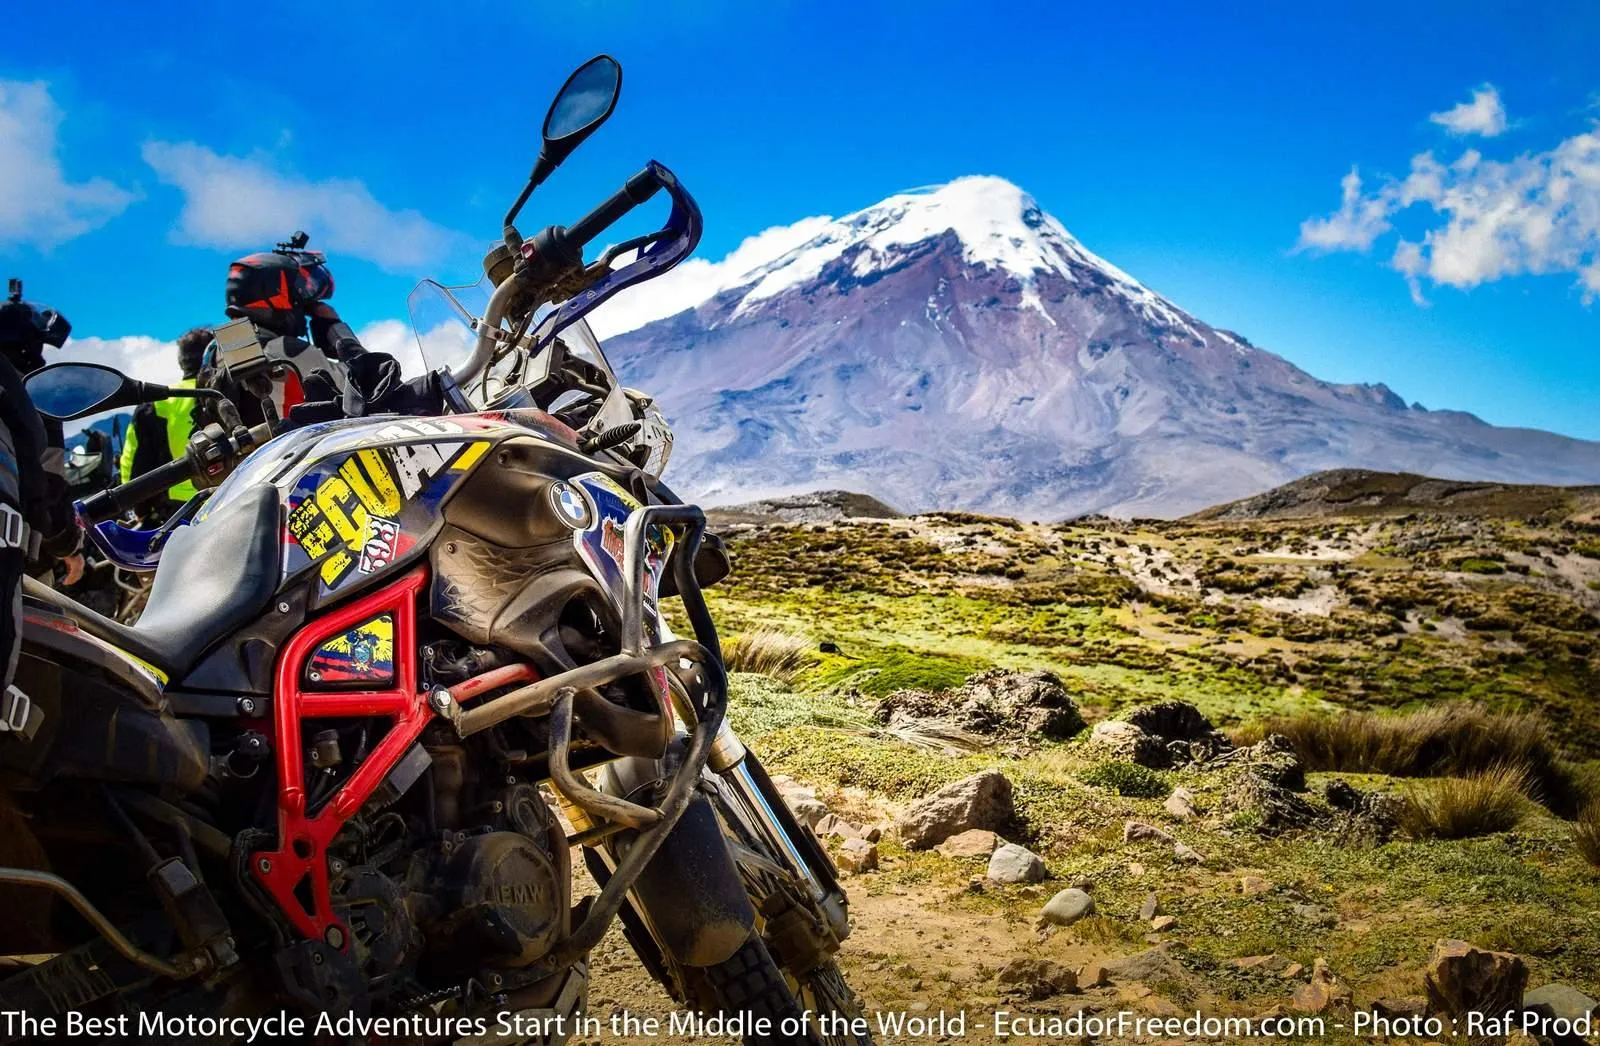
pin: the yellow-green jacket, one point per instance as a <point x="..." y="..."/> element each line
<point x="164" y="427"/>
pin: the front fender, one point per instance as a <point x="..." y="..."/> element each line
<point x="691" y="893"/>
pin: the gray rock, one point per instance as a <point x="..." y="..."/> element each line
<point x="1150" y="908"/>
<point x="1560" y="1001"/>
<point x="1186" y="854"/>
<point x="1011" y="863"/>
<point x="858" y="855"/>
<point x="1150" y="967"/>
<point x="980" y="801"/>
<point x="1180" y="804"/>
<point x="1124" y="741"/>
<point x="1067" y="907"/>
<point x="993" y="703"/>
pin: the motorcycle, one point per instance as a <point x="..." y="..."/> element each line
<point x="390" y="672"/>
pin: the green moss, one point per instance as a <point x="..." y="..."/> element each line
<point x="901" y="669"/>
<point x="1475" y="565"/>
<point x="1127" y="779"/>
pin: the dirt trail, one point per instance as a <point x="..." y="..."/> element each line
<point x="910" y="951"/>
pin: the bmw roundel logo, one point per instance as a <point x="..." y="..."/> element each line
<point x="572" y="508"/>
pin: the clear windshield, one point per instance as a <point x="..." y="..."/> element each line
<point x="568" y="375"/>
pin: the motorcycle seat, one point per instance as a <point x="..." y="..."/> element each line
<point x="215" y="577"/>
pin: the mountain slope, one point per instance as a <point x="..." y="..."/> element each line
<point x="1358" y="492"/>
<point x="957" y="347"/>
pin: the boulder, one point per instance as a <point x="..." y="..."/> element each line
<point x="857" y="855"/>
<point x="1037" y="978"/>
<point x="993" y="703"/>
<point x="1091" y="976"/>
<point x="975" y="842"/>
<point x="1323" y="992"/>
<point x="1011" y="863"/>
<point x="1163" y="923"/>
<point x="1560" y="1001"/>
<point x="1271" y="807"/>
<point x="1462" y="978"/>
<point x="980" y="801"/>
<point x="1180" y="804"/>
<point x="1150" y="908"/>
<point x="1126" y="742"/>
<point x="1067" y="907"/>
<point x="1139" y="832"/>
<point x="1182" y="730"/>
<point x="1186" y="854"/>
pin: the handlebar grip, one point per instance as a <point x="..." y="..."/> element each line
<point x="108" y="504"/>
<point x="637" y="190"/>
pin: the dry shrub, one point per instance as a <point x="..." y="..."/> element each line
<point x="1490" y="801"/>
<point x="1586" y="834"/>
<point x="769" y="651"/>
<point x="1447" y="740"/>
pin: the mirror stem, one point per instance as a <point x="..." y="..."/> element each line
<point x="541" y="170"/>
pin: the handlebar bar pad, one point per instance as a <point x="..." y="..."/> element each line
<point x="637" y="190"/>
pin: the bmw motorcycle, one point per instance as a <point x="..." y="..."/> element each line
<point x="391" y="672"/>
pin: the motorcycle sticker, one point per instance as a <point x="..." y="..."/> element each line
<point x="378" y="550"/>
<point x="603" y="546"/>
<point x="356" y="515"/>
<point x="365" y="654"/>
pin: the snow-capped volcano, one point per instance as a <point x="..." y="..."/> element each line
<point x="956" y="346"/>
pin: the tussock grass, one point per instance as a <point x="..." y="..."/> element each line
<point x="1487" y="802"/>
<point x="1586" y="834"/>
<point x="1127" y="779"/>
<point x="1446" y="740"/>
<point x="769" y="652"/>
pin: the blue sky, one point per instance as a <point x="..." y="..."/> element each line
<point x="1187" y="143"/>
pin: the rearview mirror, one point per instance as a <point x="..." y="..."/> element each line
<point x="67" y="391"/>
<point x="584" y="102"/>
<point x="581" y="106"/>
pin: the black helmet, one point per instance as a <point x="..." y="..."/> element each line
<point x="276" y="289"/>
<point x="26" y="329"/>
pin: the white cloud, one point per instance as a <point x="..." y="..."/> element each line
<point x="696" y="280"/>
<point x="1484" y="114"/>
<point x="235" y="202"/>
<point x="1354" y="226"/>
<point x="137" y="356"/>
<point x="38" y="205"/>
<point x="1481" y="219"/>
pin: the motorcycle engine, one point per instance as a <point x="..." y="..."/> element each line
<point x="501" y="894"/>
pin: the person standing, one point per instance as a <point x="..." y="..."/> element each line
<point x="160" y="431"/>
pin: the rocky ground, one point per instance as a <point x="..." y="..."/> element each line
<point x="1047" y="756"/>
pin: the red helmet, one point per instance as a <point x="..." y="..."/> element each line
<point x="276" y="289"/>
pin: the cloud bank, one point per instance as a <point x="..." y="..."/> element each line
<point x="1478" y="219"/>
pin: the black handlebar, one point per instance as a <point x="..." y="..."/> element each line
<point x="638" y="189"/>
<point x="217" y="455"/>
<point x="109" y="504"/>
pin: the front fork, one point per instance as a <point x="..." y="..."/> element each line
<point x="762" y="810"/>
